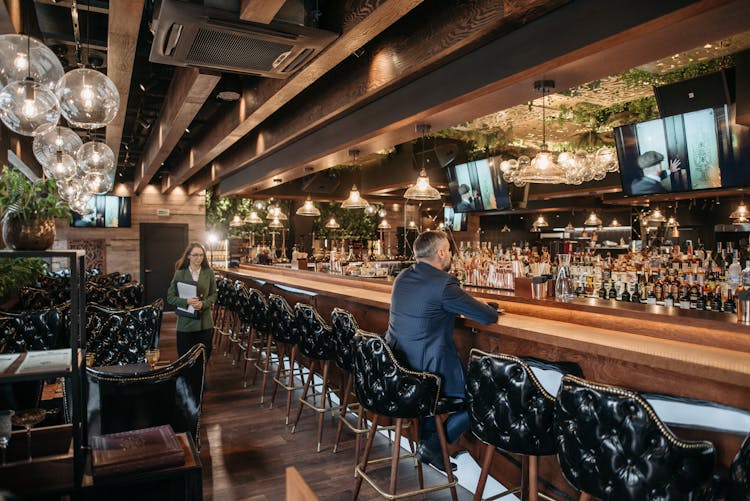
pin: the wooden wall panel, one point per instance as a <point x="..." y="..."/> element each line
<point x="123" y="244"/>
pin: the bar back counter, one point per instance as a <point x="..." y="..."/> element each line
<point x="703" y="355"/>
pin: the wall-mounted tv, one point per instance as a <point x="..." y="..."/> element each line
<point x="477" y="186"/>
<point x="700" y="150"/>
<point x="454" y="221"/>
<point x="107" y="211"/>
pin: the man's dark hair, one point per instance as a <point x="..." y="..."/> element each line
<point x="426" y="244"/>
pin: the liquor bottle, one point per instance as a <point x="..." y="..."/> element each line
<point x="700" y="302"/>
<point x="734" y="272"/>
<point x="612" y="294"/>
<point x="602" y="291"/>
<point x="746" y="275"/>
<point x="651" y="297"/>
<point x="716" y="303"/>
<point x="635" y="296"/>
<point x="659" y="291"/>
<point x="729" y="305"/>
<point x="669" y="298"/>
<point x="694" y="294"/>
<point x="625" y="294"/>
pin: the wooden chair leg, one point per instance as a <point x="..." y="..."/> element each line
<point x="280" y="373"/>
<point x="446" y="459"/>
<point x="395" y="455"/>
<point x="342" y="411"/>
<point x="290" y="383"/>
<point x="266" y="370"/>
<point x="420" y="473"/>
<point x="487" y="455"/>
<point x="365" y="457"/>
<point x="304" y="396"/>
<point x="322" y="415"/>
<point x="361" y="416"/>
<point x="249" y="356"/>
<point x="267" y="361"/>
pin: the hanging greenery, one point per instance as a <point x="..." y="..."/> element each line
<point x="355" y="224"/>
<point x="220" y="212"/>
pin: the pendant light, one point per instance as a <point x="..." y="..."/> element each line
<point x="543" y="168"/>
<point x="253" y="218"/>
<point x="656" y="216"/>
<point x="355" y="200"/>
<point x="61" y="166"/>
<point x="308" y="209"/>
<point x="422" y="189"/>
<point x="99" y="182"/>
<point x="57" y="139"/>
<point x="569" y="227"/>
<point x="95" y="156"/>
<point x="275" y="223"/>
<point x="505" y="229"/>
<point x="22" y="56"/>
<point x="236" y="221"/>
<point x="541" y="222"/>
<point x="28" y="108"/>
<point x="740" y="212"/>
<point x="615" y="223"/>
<point x="333" y="224"/>
<point x="384" y="225"/>
<point x="593" y="220"/>
<point x="274" y="212"/>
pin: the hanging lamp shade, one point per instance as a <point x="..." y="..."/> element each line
<point x="95" y="156"/>
<point x="615" y="223"/>
<point x="505" y="229"/>
<point x="542" y="169"/>
<point x="569" y="227"/>
<point x="673" y="222"/>
<point x="60" y="166"/>
<point x="99" y="182"/>
<point x="656" y="216"/>
<point x="422" y="189"/>
<point x="740" y="211"/>
<point x="275" y="223"/>
<point x="59" y="138"/>
<point x="28" y="108"/>
<point x="274" y="212"/>
<point x="384" y="225"/>
<point x="236" y="221"/>
<point x="593" y="220"/>
<point x="81" y="206"/>
<point x="355" y="201"/>
<point x="741" y="220"/>
<point x="308" y="209"/>
<point x="253" y="218"/>
<point x="332" y="224"/>
<point x="88" y="98"/>
<point x="541" y="222"/>
<point x="22" y="56"/>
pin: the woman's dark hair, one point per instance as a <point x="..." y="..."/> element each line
<point x="184" y="260"/>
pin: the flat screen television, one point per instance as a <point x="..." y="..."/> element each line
<point x="107" y="211"/>
<point x="454" y="221"/>
<point x="477" y="186"/>
<point x="700" y="150"/>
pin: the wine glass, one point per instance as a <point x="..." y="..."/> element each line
<point x="5" y="422"/>
<point x="27" y="419"/>
<point x="152" y="356"/>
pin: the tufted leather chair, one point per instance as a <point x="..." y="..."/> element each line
<point x="116" y="297"/>
<point x="119" y="337"/>
<point x="317" y="344"/>
<point x="261" y="332"/>
<point x="230" y="320"/>
<point x="58" y="287"/>
<point x="511" y="410"/>
<point x="245" y="325"/>
<point x="223" y="287"/>
<point x="30" y="330"/>
<point x="234" y="331"/>
<point x="612" y="445"/>
<point x="739" y="475"/>
<point x="31" y="298"/>
<point x="167" y="395"/>
<point x="285" y="332"/>
<point x="345" y="327"/>
<point x="386" y="388"/>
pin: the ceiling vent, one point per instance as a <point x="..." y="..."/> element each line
<point x="187" y="34"/>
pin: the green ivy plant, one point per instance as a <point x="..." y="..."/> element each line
<point x="21" y="198"/>
<point x="356" y="224"/>
<point x="17" y="273"/>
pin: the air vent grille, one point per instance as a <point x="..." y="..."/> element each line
<point x="219" y="48"/>
<point x="299" y="61"/>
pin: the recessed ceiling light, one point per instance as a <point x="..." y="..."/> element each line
<point x="228" y="95"/>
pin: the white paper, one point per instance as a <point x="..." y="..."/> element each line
<point x="7" y="360"/>
<point x="186" y="291"/>
<point x="45" y="361"/>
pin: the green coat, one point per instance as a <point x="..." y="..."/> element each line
<point x="206" y="292"/>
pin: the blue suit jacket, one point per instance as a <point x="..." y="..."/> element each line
<point x="424" y="303"/>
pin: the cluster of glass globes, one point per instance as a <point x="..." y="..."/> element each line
<point x="35" y="93"/>
<point x="568" y="168"/>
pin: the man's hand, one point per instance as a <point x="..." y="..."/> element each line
<point x="674" y="165"/>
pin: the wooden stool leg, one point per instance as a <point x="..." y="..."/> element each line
<point x="365" y="457"/>
<point x="342" y="411"/>
<point x="267" y="361"/>
<point x="249" y="356"/>
<point x="395" y="452"/>
<point x="304" y="395"/>
<point x="280" y="374"/>
<point x="532" y="477"/>
<point x="420" y="473"/>
<point x="361" y="416"/>
<point x="280" y="355"/>
<point x="322" y="415"/>
<point x="446" y="460"/>
<point x="290" y="382"/>
<point x="585" y="497"/>
<point x="487" y="454"/>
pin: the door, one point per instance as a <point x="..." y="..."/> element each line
<point x="161" y="246"/>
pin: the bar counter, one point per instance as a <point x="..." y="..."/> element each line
<point x="646" y="348"/>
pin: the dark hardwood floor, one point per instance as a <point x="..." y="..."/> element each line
<point x="247" y="447"/>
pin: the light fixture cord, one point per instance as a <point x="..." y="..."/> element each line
<point x="544" y="118"/>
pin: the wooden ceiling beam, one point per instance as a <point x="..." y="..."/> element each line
<point x="368" y="19"/>
<point x="123" y="26"/>
<point x="260" y="11"/>
<point x="496" y="76"/>
<point x="6" y="22"/>
<point x="187" y="92"/>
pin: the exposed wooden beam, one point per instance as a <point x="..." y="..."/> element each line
<point x="260" y="11"/>
<point x="21" y="155"/>
<point x="123" y="27"/>
<point x="619" y="36"/>
<point x="367" y="20"/>
<point x="15" y="16"/>
<point x="6" y="25"/>
<point x="187" y="92"/>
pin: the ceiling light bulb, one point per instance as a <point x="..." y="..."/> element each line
<point x="29" y="108"/>
<point x="21" y="63"/>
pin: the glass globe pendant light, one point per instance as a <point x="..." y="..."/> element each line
<point x="61" y="166"/>
<point x="88" y="98"/>
<point x="95" y="156"/>
<point x="22" y="56"/>
<point x="70" y="188"/>
<point x="28" y="107"/>
<point x="46" y="145"/>
<point x="99" y="183"/>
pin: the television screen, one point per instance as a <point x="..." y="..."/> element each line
<point x="699" y="150"/>
<point x="107" y="211"/>
<point x="477" y="186"/>
<point x="454" y="221"/>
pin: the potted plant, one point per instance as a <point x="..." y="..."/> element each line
<point x="18" y="273"/>
<point x="29" y="209"/>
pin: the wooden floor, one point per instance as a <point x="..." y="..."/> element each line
<point x="246" y="448"/>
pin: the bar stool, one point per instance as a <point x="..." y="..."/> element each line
<point x="244" y="323"/>
<point x="285" y="333"/>
<point x="739" y="475"/>
<point x="316" y="343"/>
<point x="258" y="312"/>
<point x="510" y="409"/>
<point x="612" y="445"/>
<point x="387" y="389"/>
<point x="222" y="291"/>
<point x="232" y="316"/>
<point x="344" y="329"/>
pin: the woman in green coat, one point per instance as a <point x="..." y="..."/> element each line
<point x="193" y="267"/>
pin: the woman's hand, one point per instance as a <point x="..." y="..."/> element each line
<point x="195" y="303"/>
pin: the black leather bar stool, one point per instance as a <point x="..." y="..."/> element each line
<point x="739" y="475"/>
<point x="232" y="317"/>
<point x="244" y="324"/>
<point x="613" y="446"/>
<point x="317" y="344"/>
<point x="387" y="389"/>
<point x="223" y="286"/>
<point x="510" y="409"/>
<point x="285" y="333"/>
<point x="345" y="327"/>
<point x="257" y="311"/>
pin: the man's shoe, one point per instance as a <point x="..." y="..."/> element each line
<point x="434" y="459"/>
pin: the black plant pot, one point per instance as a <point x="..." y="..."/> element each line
<point x="36" y="234"/>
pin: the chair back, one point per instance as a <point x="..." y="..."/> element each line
<point x="31" y="298"/>
<point x="739" y="475"/>
<point x="508" y="406"/>
<point x="31" y="330"/>
<point x="612" y="445"/>
<point x="171" y="395"/>
<point x="344" y="327"/>
<point x="282" y="319"/>
<point x="244" y="309"/>
<point x="223" y="286"/>
<point x="385" y="386"/>
<point x="315" y="336"/>
<point x="258" y="310"/>
<point x="58" y="287"/>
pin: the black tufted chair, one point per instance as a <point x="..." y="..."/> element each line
<point x="285" y="332"/>
<point x="168" y="395"/>
<point x="739" y="476"/>
<point x="317" y="344"/>
<point x="612" y="445"/>
<point x="260" y="335"/>
<point x="235" y="331"/>
<point x="345" y="327"/>
<point x="223" y="292"/>
<point x="387" y="389"/>
<point x="119" y="337"/>
<point x="31" y="330"/>
<point x="230" y="319"/>
<point x="31" y="298"/>
<point x="509" y="409"/>
<point x="58" y="287"/>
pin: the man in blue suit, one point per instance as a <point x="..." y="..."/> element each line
<point x="424" y="303"/>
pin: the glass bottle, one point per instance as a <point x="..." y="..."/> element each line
<point x="564" y="284"/>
